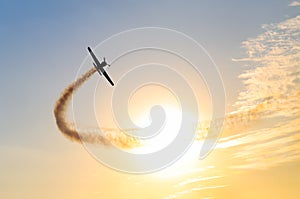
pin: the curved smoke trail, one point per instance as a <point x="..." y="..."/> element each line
<point x="68" y="129"/>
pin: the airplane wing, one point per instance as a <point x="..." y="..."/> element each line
<point x="94" y="57"/>
<point x="102" y="71"/>
<point x="107" y="77"/>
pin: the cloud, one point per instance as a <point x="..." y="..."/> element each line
<point x="294" y="3"/>
<point x="272" y="93"/>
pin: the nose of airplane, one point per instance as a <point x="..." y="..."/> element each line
<point x="89" y="49"/>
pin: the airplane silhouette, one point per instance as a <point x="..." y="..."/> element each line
<point x="100" y="66"/>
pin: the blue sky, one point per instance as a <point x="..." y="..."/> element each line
<point x="44" y="42"/>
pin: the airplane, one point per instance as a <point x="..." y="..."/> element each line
<point x="99" y="66"/>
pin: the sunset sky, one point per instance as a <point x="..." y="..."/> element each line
<point x="255" y="45"/>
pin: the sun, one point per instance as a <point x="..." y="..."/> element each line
<point x="167" y="134"/>
<point x="139" y="108"/>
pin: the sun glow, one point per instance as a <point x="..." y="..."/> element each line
<point x="165" y="136"/>
<point x="139" y="110"/>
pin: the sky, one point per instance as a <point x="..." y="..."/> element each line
<point x="43" y="43"/>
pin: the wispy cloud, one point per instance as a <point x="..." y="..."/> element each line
<point x="294" y="3"/>
<point x="264" y="131"/>
<point x="272" y="91"/>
